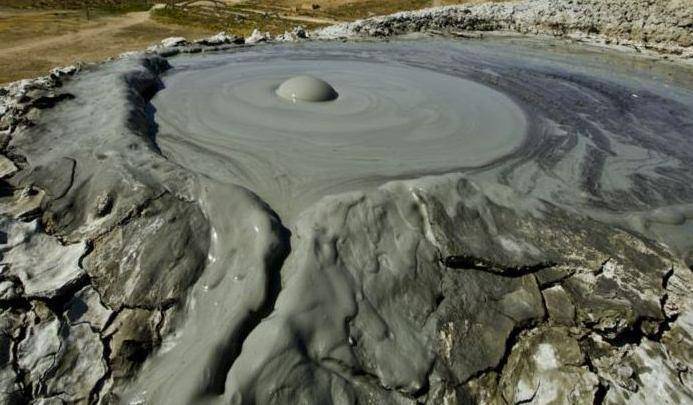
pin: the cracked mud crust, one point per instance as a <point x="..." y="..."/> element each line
<point x="141" y="265"/>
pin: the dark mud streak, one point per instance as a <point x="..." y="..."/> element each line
<point x="543" y="94"/>
<point x="45" y="102"/>
<point x="95" y="393"/>
<point x="73" y="170"/>
<point x="228" y="354"/>
<point x="600" y="395"/>
<point x="510" y="343"/>
<point x="143" y="86"/>
<point x="25" y="385"/>
<point x="603" y="386"/>
<point x="470" y="262"/>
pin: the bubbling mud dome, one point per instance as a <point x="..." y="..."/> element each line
<point x="307" y="88"/>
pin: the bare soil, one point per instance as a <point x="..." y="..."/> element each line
<point x="33" y="41"/>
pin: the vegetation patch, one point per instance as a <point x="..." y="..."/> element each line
<point x="94" y="7"/>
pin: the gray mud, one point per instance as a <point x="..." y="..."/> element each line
<point x="220" y="116"/>
<point x="514" y="230"/>
<point x="586" y="129"/>
<point x="365" y="309"/>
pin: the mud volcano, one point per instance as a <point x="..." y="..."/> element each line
<point x="379" y="279"/>
<point x="418" y="221"/>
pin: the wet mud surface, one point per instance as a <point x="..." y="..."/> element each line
<point x="610" y="135"/>
<point x="391" y="119"/>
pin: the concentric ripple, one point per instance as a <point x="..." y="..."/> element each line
<point x="389" y="120"/>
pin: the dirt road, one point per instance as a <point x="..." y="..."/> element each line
<point x="298" y="18"/>
<point x="103" y="28"/>
<point x="44" y="46"/>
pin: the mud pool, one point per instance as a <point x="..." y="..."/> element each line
<point x="548" y="122"/>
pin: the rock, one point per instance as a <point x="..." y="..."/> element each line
<point x="42" y="264"/>
<point x="61" y="72"/>
<point x="9" y="290"/>
<point x="132" y="54"/>
<point x="614" y="300"/>
<point x="79" y="365"/>
<point x="677" y="343"/>
<point x="481" y="390"/>
<point x="38" y="352"/>
<point x="547" y="366"/>
<point x="11" y="321"/>
<point x="221" y="38"/>
<point x="86" y="307"/>
<point x="650" y="25"/>
<point x="55" y="177"/>
<point x="654" y="378"/>
<point x="23" y="203"/>
<point x="60" y="360"/>
<point x="554" y="274"/>
<point x="257" y="37"/>
<point x="483" y="305"/>
<point x="90" y="207"/>
<point x="678" y="340"/>
<point x="10" y="389"/>
<point x="610" y="362"/>
<point x="7" y="167"/>
<point x="132" y="336"/>
<point x="104" y="204"/>
<point x="49" y="401"/>
<point x="173" y="42"/>
<point x="151" y="260"/>
<point x="294" y="35"/>
<point x="558" y="304"/>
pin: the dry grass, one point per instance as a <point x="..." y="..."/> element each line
<point x="233" y="19"/>
<point x="36" y="35"/>
<point x="277" y="16"/>
<point x="17" y="26"/>
<point x="98" y="6"/>
<point x="32" y="42"/>
<point x="367" y="8"/>
<point x="345" y="10"/>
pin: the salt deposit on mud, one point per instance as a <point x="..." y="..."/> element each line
<point x="500" y="220"/>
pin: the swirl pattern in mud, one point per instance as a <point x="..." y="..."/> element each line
<point x="389" y="119"/>
<point x="408" y="109"/>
